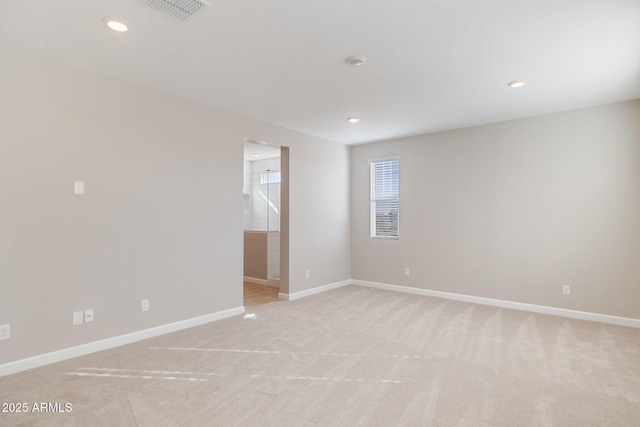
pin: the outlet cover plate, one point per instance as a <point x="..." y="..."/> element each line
<point x="78" y="187"/>
<point x="5" y="332"/>
<point x="77" y="317"/>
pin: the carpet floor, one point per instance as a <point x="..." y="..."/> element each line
<point x="353" y="356"/>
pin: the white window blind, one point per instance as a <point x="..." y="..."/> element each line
<point x="385" y="197"/>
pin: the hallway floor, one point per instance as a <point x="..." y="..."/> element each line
<point x="255" y="294"/>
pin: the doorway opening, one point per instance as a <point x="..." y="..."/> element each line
<point x="263" y="219"/>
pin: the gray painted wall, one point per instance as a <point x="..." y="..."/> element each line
<point x="514" y="210"/>
<point x="162" y="217"/>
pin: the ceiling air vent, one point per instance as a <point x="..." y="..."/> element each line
<point x="179" y="10"/>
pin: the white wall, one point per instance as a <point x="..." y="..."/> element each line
<point x="162" y="214"/>
<point x="514" y="210"/>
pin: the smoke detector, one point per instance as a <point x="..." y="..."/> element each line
<point x="178" y="10"/>
<point x="355" y="60"/>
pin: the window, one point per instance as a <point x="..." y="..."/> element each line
<point x="270" y="178"/>
<point x="385" y="195"/>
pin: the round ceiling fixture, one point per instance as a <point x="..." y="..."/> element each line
<point x="355" y="60"/>
<point x="116" y="24"/>
<point x="516" y="83"/>
<point x="353" y="119"/>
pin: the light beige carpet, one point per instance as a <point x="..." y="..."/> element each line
<point x="351" y="357"/>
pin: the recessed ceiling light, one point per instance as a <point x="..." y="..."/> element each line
<point x="516" y="83"/>
<point x="256" y="155"/>
<point x="116" y="24"/>
<point x="355" y="61"/>
<point x="353" y="119"/>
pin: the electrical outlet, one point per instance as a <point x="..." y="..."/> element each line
<point x="77" y="318"/>
<point x="407" y="272"/>
<point x="566" y="289"/>
<point x="78" y="187"/>
<point x="144" y="305"/>
<point x="5" y="332"/>
<point x="307" y="274"/>
<point x="88" y="316"/>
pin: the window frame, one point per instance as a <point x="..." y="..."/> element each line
<point x="373" y="199"/>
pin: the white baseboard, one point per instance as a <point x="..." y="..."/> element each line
<point x="92" y="347"/>
<point x="274" y="283"/>
<point x="255" y="280"/>
<point x="313" y="291"/>
<point x="554" y="311"/>
<point x="84" y="349"/>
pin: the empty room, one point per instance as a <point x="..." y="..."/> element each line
<point x="287" y="213"/>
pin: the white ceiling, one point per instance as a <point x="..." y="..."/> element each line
<point x="259" y="150"/>
<point x="431" y="65"/>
